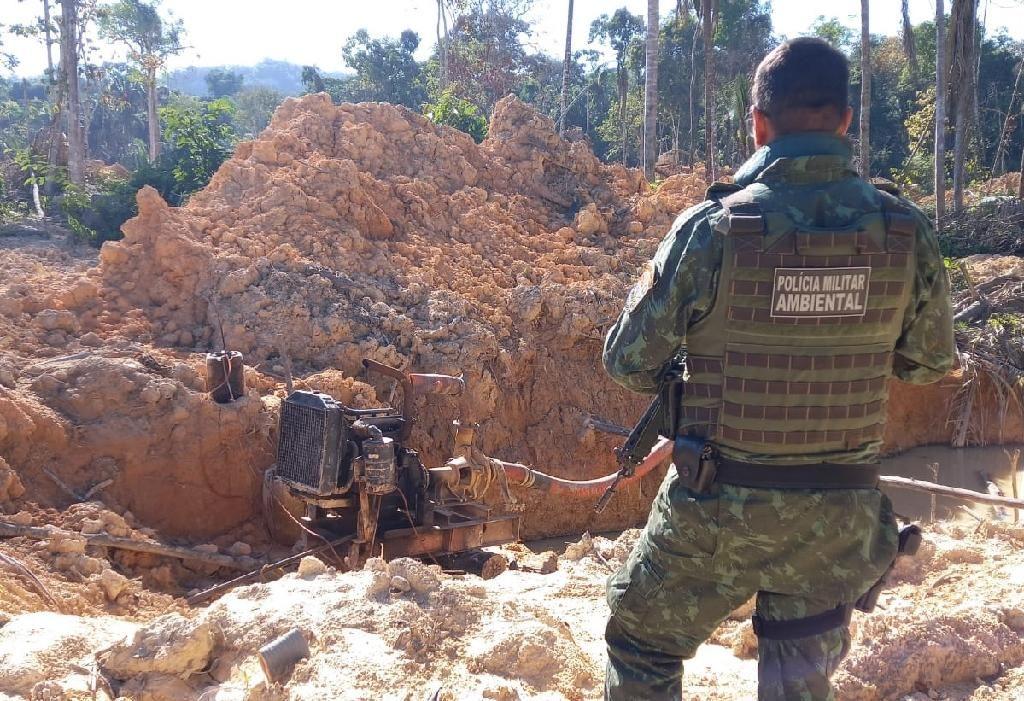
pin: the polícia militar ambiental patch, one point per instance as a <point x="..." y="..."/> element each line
<point x="820" y="292"/>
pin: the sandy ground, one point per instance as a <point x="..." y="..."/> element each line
<point x="951" y="627"/>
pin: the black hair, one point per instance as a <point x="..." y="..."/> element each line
<point x="803" y="85"/>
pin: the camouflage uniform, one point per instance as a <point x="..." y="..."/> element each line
<point x="801" y="551"/>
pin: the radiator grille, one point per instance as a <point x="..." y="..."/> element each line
<point x="310" y="432"/>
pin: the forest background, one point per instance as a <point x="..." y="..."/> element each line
<point x="79" y="139"/>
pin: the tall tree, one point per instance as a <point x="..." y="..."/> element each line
<point x="620" y="31"/>
<point x="151" y="41"/>
<point x="651" y="90"/>
<point x="999" y="160"/>
<point x="941" y="71"/>
<point x="909" y="44"/>
<point x="563" y="102"/>
<point x="69" y="27"/>
<point x="963" y="46"/>
<point x="708" y="12"/>
<point x="223" y="82"/>
<point x="48" y="33"/>
<point x="386" y="70"/>
<point x="865" y="90"/>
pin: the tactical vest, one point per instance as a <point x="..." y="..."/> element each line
<point x="794" y="355"/>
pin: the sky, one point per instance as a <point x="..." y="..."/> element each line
<point x="311" y="32"/>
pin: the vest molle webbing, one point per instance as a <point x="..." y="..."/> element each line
<point x="794" y="356"/>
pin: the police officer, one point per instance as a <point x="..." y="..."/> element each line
<point x="792" y="297"/>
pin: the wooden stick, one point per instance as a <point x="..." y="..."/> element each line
<point x="10" y="530"/>
<point x="257" y="575"/>
<point x="1014" y="458"/>
<point x="39" y="586"/>
<point x="954" y="492"/>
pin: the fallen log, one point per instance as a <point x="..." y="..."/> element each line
<point x="11" y="530"/>
<point x="953" y="492"/>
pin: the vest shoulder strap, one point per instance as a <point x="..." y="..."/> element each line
<point x="743" y="216"/>
<point x="900" y="222"/>
<point x="886" y="186"/>
<point x="720" y="189"/>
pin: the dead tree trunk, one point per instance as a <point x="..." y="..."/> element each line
<point x="151" y="113"/>
<point x="69" y="60"/>
<point x="865" y="91"/>
<point x="566" y="65"/>
<point x="48" y="34"/>
<point x="909" y="44"/>
<point x="1020" y="184"/>
<point x="692" y="134"/>
<point x="963" y="64"/>
<point x="651" y="91"/>
<point x="941" y="71"/>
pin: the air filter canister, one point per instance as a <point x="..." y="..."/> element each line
<point x="379" y="465"/>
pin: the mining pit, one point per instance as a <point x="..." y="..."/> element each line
<point x="347" y="232"/>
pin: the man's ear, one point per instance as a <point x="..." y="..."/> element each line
<point x="844" y="126"/>
<point x="764" y="131"/>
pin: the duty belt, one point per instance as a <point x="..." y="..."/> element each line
<point x="823" y="475"/>
<point x="700" y="465"/>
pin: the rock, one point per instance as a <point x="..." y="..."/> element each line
<point x="422" y="579"/>
<point x="240" y="549"/>
<point x="10" y="484"/>
<point x="500" y="692"/>
<point x="589" y="221"/>
<point x="22" y="518"/>
<point x="171" y="645"/>
<point x="113" y="583"/>
<point x="311" y="567"/>
<point x="90" y="339"/>
<point x="54" y="320"/>
<point x="62" y="542"/>
<point x="400" y="584"/>
<point x="380" y="580"/>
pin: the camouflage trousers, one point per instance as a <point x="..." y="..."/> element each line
<point x="802" y="552"/>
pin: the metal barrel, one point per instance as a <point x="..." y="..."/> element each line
<point x="278" y="657"/>
<point x="225" y="376"/>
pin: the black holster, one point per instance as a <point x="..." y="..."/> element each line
<point x="695" y="459"/>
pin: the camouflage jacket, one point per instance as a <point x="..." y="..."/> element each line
<point x="810" y="179"/>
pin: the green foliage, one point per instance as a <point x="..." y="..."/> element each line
<point x="223" y="82"/>
<point x="33" y="166"/>
<point x="255" y="107"/>
<point x="386" y="70"/>
<point x="453" y="111"/>
<point x="200" y="137"/>
<point x="138" y="25"/>
<point x="200" y="140"/>
<point x="834" y="32"/>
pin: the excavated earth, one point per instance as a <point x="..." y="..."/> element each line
<point x="364" y="231"/>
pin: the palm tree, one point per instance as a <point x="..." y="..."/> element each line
<point x="865" y="91"/>
<point x="940" y="112"/>
<point x="651" y="90"/>
<point x="566" y="65"/>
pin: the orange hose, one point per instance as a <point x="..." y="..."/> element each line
<point x="521" y="475"/>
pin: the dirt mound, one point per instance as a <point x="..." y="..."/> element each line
<point x="358" y="231"/>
